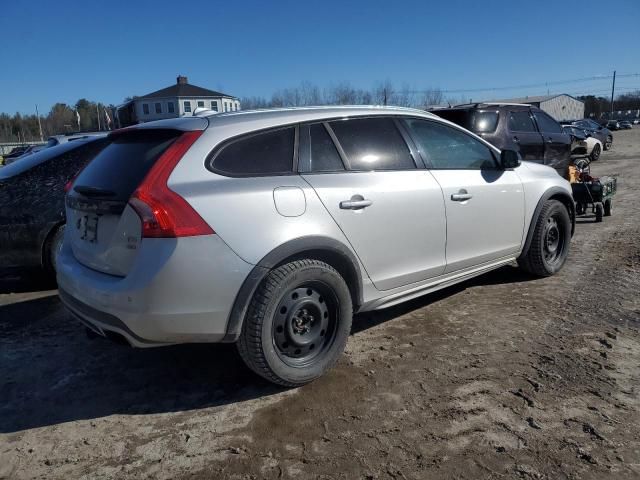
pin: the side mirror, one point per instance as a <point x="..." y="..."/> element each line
<point x="509" y="159"/>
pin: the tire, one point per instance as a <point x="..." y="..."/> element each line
<point x="297" y="323"/>
<point x="599" y="212"/>
<point x="550" y="242"/>
<point x="595" y="153"/>
<point x="608" y="207"/>
<point x="51" y="248"/>
<point x="580" y="208"/>
<point x="608" y="143"/>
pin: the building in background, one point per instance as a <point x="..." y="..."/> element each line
<point x="177" y="100"/>
<point x="561" y="107"/>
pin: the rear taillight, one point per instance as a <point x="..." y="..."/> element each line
<point x="163" y="212"/>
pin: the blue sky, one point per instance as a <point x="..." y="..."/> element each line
<point x="104" y="51"/>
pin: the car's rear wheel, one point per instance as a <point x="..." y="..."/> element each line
<point x="297" y="323"/>
<point x="550" y="242"/>
<point x="595" y="153"/>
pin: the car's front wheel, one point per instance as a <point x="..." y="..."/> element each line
<point x="595" y="153"/>
<point x="297" y="323"/>
<point x="549" y="245"/>
<point x="608" y="143"/>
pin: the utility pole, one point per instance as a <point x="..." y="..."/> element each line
<point x="385" y="97"/>
<point x="39" y="124"/>
<point x="98" y="115"/>
<point x="613" y="89"/>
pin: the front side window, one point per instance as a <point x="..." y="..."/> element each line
<point x="158" y="107"/>
<point x="448" y="148"/>
<point x="373" y="144"/>
<point x="145" y="108"/>
<point x="187" y="106"/>
<point x="214" y="105"/>
<point x="324" y="154"/>
<point x="521" y="122"/>
<point x="269" y="153"/>
<point x="170" y="107"/>
<point x="546" y="123"/>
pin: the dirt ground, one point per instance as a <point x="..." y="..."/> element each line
<point x="501" y="377"/>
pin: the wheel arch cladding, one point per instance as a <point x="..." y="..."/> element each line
<point x="326" y="249"/>
<point x="554" y="193"/>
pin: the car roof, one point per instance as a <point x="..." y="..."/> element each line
<point x="256" y="119"/>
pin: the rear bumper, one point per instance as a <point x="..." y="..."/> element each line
<point x="178" y="291"/>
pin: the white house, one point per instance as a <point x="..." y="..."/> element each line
<point x="177" y="100"/>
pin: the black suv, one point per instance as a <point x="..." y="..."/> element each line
<point x="526" y="129"/>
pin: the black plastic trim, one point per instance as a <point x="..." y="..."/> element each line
<point x="553" y="191"/>
<point x="276" y="257"/>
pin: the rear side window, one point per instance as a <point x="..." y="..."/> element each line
<point x="521" y="122"/>
<point x="122" y="165"/>
<point x="484" y="122"/>
<point x="269" y="153"/>
<point x="324" y="154"/>
<point x="449" y="148"/>
<point x="547" y="124"/>
<point x="373" y="144"/>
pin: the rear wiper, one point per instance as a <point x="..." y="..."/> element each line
<point x="94" y="191"/>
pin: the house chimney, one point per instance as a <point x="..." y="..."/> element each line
<point x="182" y="80"/>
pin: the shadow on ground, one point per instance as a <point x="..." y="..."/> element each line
<point x="52" y="373"/>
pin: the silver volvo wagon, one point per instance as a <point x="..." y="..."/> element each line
<point x="271" y="228"/>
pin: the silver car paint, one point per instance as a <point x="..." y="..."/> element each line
<point x="183" y="290"/>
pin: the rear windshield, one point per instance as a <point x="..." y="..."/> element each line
<point x="23" y="164"/>
<point x="476" y="121"/>
<point x="122" y="165"/>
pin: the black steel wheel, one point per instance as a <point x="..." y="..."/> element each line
<point x="595" y="153"/>
<point x="550" y="241"/>
<point x="608" y="143"/>
<point x="608" y="207"/>
<point x="297" y="323"/>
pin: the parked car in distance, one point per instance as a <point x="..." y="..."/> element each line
<point x="583" y="144"/>
<point x="270" y="228"/>
<point x="613" y="125"/>
<point x="32" y="203"/>
<point x="20" y="152"/>
<point x="70" y="137"/>
<point x="523" y="128"/>
<point x="625" y="125"/>
<point x="595" y="129"/>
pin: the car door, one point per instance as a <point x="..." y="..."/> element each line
<point x="557" y="144"/>
<point x="525" y="136"/>
<point x="391" y="212"/>
<point x="484" y="204"/>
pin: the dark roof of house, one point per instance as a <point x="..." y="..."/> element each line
<point x="185" y="90"/>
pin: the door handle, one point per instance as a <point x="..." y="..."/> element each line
<point x="357" y="202"/>
<point x="549" y="140"/>
<point x="461" y="196"/>
<point x="516" y="139"/>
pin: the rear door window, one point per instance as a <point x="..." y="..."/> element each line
<point x="268" y="153"/>
<point x="546" y="123"/>
<point x="485" y="122"/>
<point x="122" y="165"/>
<point x="373" y="144"/>
<point x="520" y="121"/>
<point x="448" y="148"/>
<point x="324" y="154"/>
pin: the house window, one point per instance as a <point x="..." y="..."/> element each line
<point x="226" y="107"/>
<point x="170" y="107"/>
<point x="187" y="106"/>
<point x="214" y="105"/>
<point x="158" y="107"/>
<point x="145" y="108"/>
<point x="201" y="103"/>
